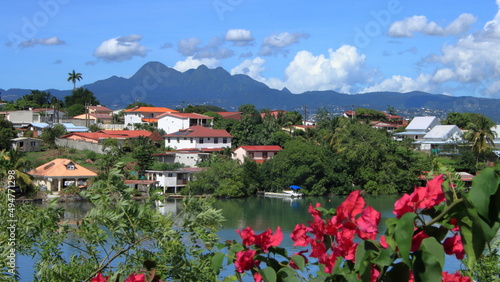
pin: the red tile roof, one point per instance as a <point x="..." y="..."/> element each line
<point x="58" y="168"/>
<point x="186" y="115"/>
<point x="150" y="119"/>
<point x="272" y="148"/>
<point x="199" y="131"/>
<point x="231" y="115"/>
<point x="100" y="109"/>
<point x="104" y="134"/>
<point x="150" y="110"/>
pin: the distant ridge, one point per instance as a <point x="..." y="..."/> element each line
<point x="160" y="85"/>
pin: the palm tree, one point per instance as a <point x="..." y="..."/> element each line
<point x="13" y="161"/>
<point x="73" y="77"/>
<point x="480" y="134"/>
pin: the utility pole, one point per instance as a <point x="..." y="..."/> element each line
<point x="305" y="115"/>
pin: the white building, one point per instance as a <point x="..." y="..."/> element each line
<point x="198" y="137"/>
<point x="257" y="154"/>
<point x="172" y="122"/>
<point x="172" y="180"/>
<point x="144" y="114"/>
<point x="187" y="158"/>
<point x="418" y="128"/>
<point x="442" y="139"/>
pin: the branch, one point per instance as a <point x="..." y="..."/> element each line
<point x="443" y="213"/>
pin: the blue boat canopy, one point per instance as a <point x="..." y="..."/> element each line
<point x="295" y="187"/>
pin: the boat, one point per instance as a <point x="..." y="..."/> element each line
<point x="294" y="193"/>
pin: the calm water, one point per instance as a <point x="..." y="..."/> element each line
<point x="259" y="213"/>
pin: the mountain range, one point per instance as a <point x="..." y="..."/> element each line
<point x="157" y="84"/>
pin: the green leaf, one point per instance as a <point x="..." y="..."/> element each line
<point x="429" y="261"/>
<point x="403" y="235"/>
<point x="287" y="274"/>
<point x="385" y="257"/>
<point x="483" y="187"/>
<point x="268" y="274"/>
<point x="299" y="261"/>
<point x="399" y="272"/>
<point x="472" y="237"/>
<point x="216" y="262"/>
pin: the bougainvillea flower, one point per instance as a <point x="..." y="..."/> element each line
<point x="244" y="260"/>
<point x="313" y="211"/>
<point x="374" y="274"/>
<point x="318" y="249"/>
<point x="136" y="278"/>
<point x="257" y="277"/>
<point x="453" y="246"/>
<point x="299" y="236"/>
<point x="99" y="278"/>
<point x="351" y="206"/>
<point x="328" y="261"/>
<point x="383" y="242"/>
<point x="455" y="277"/>
<point x="346" y="247"/>
<point x="417" y="240"/>
<point x="454" y="221"/>
<point x="267" y="239"/>
<point x="248" y="236"/>
<point x="421" y="198"/>
<point x="301" y="253"/>
<point x="368" y="223"/>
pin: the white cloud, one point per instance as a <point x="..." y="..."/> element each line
<point x="120" y="49"/>
<point x="240" y="37"/>
<point x="214" y="49"/>
<point x="42" y="41"/>
<point x="409" y="26"/>
<point x="400" y="83"/>
<point x="192" y="63"/>
<point x="252" y="68"/>
<point x="443" y="75"/>
<point x="276" y="44"/>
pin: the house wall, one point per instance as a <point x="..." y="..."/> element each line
<point x="194" y="142"/>
<point x="28" y="145"/>
<point x="131" y="118"/>
<point x="172" y="124"/>
<point x="21" y="117"/>
<point x="241" y="154"/>
<point x="79" y="145"/>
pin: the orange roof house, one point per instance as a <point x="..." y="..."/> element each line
<point x="61" y="173"/>
<point x="231" y="115"/>
<point x="144" y="114"/>
<point x="257" y="154"/>
<point x="101" y="135"/>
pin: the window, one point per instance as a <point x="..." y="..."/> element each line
<point x="170" y="175"/>
<point x="264" y="155"/>
<point x="200" y="141"/>
<point x="21" y="144"/>
<point x="224" y="140"/>
<point x="178" y="139"/>
<point x="216" y="140"/>
<point x="191" y="139"/>
<point x="168" y="139"/>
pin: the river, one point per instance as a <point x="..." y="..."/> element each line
<point x="258" y="213"/>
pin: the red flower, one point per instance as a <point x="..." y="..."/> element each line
<point x="421" y="198"/>
<point x="368" y="223"/>
<point x="267" y="239"/>
<point x="453" y="246"/>
<point x="247" y="235"/>
<point x="244" y="260"/>
<point x="383" y="242"/>
<point x="417" y="240"/>
<point x="456" y="277"/>
<point x="351" y="206"/>
<point x="136" y="278"/>
<point x="299" y="236"/>
<point x="328" y="261"/>
<point x="257" y="277"/>
<point x="99" y="278"/>
<point x="313" y="211"/>
<point x="292" y="263"/>
<point x="318" y="249"/>
<point x="374" y="274"/>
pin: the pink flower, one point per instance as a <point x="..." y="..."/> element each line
<point x="351" y="206"/>
<point x="318" y="249"/>
<point x="247" y="235"/>
<point x="328" y="261"/>
<point x="313" y="211"/>
<point x="421" y="198"/>
<point x="267" y="239"/>
<point x="257" y="277"/>
<point x="99" y="278"/>
<point x="368" y="223"/>
<point x="453" y="246"/>
<point x="383" y="242"/>
<point x="244" y="260"/>
<point x="417" y="240"/>
<point x="299" y="236"/>
<point x="455" y="277"/>
<point x="136" y="278"/>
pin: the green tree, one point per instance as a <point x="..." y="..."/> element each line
<point x="49" y="134"/>
<point x="75" y="109"/>
<point x="112" y="154"/>
<point x="14" y="160"/>
<point x="73" y="77"/>
<point x="480" y="134"/>
<point x="142" y="150"/>
<point x="7" y="132"/>
<point x="81" y="96"/>
<point x="138" y="104"/>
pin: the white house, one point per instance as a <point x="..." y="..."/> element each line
<point x="187" y="158"/>
<point x="496" y="141"/>
<point x="198" y="137"/>
<point x="256" y="153"/>
<point x="418" y="128"/>
<point x="172" y="180"/>
<point x="144" y="114"/>
<point x="442" y="139"/>
<point x="172" y="122"/>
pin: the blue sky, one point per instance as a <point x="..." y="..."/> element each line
<point x="450" y="47"/>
